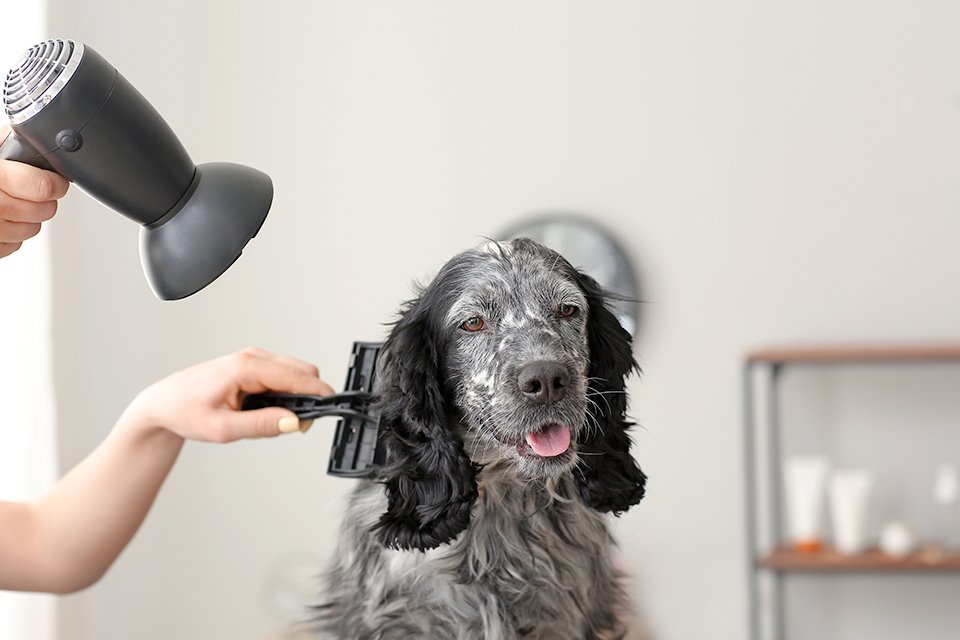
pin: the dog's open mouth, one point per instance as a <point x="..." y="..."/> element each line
<point x="549" y="441"/>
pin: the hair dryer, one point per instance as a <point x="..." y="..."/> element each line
<point x="71" y="112"/>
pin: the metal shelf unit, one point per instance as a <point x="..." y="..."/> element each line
<point x="779" y="561"/>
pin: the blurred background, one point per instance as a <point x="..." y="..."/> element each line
<point x="779" y="174"/>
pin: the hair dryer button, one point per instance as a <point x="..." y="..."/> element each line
<point x="69" y="140"/>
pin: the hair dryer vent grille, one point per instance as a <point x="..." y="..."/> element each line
<point x="38" y="77"/>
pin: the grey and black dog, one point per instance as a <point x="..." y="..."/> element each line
<point x="503" y="408"/>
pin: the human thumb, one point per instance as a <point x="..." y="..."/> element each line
<point x="261" y="423"/>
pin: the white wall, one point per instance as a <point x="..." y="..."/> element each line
<point x="781" y="174"/>
<point x="28" y="434"/>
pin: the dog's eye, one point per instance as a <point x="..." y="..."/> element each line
<point x="473" y="324"/>
<point x="567" y="310"/>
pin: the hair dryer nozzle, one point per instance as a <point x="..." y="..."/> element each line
<point x="206" y="231"/>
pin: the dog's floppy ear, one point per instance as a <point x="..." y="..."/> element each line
<point x="430" y="482"/>
<point x="608" y="478"/>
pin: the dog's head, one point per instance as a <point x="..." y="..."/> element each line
<point x="510" y="358"/>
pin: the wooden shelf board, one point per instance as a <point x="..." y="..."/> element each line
<point x="838" y="354"/>
<point x="871" y="560"/>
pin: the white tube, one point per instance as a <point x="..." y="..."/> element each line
<point x="849" y="498"/>
<point x="805" y="485"/>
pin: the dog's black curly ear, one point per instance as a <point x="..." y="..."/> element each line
<point x="608" y="477"/>
<point x="430" y="482"/>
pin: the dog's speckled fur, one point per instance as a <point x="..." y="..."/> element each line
<point x="467" y="535"/>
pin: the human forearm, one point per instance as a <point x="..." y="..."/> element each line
<point x="68" y="539"/>
<point x="83" y="524"/>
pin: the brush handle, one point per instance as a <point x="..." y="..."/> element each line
<point x="307" y="407"/>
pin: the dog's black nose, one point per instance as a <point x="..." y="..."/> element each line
<point x="544" y="382"/>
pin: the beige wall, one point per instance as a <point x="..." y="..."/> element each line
<point x="779" y="174"/>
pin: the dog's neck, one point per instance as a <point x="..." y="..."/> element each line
<point x="511" y="508"/>
<point x="501" y="485"/>
<point x="537" y="545"/>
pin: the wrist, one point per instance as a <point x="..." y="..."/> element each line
<point x="139" y="421"/>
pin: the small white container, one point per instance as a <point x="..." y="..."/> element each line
<point x="805" y="479"/>
<point x="946" y="495"/>
<point x="850" y="492"/>
<point x="897" y="540"/>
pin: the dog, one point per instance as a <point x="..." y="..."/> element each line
<point x="502" y="407"/>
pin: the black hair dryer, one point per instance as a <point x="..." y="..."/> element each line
<point x="71" y="112"/>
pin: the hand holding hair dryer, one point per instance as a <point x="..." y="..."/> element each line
<point x="73" y="113"/>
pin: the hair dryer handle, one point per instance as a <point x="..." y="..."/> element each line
<point x="14" y="148"/>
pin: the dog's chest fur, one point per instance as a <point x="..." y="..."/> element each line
<point x="534" y="563"/>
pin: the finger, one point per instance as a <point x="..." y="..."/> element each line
<point x="306" y="367"/>
<point x="259" y="375"/>
<point x="262" y="423"/>
<point x="27" y="182"/>
<point x="256" y="352"/>
<point x="299" y="365"/>
<point x="6" y="248"/>
<point x="17" y="210"/>
<point x="18" y="231"/>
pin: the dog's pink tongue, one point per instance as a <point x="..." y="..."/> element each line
<point x="550" y="441"/>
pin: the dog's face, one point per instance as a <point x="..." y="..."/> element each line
<point x="509" y="360"/>
<point x="517" y="358"/>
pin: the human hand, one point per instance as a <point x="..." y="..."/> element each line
<point x="28" y="196"/>
<point x="203" y="402"/>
